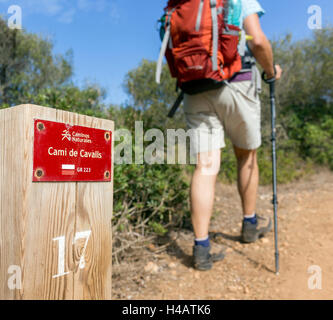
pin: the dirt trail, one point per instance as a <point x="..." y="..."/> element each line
<point x="247" y="272"/>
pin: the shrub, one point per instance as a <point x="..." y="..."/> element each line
<point x="148" y="199"/>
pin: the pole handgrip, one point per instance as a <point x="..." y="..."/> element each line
<point x="271" y="80"/>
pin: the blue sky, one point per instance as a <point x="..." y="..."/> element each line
<point x="111" y="37"/>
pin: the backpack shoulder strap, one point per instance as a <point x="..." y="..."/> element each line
<point x="199" y="17"/>
<point x="215" y="34"/>
<point x="242" y="44"/>
<point x="161" y="56"/>
<point x="164" y="46"/>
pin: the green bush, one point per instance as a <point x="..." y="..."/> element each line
<point x="317" y="142"/>
<point x="86" y="101"/>
<point x="290" y="166"/>
<point x="150" y="194"/>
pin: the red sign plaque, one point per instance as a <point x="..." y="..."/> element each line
<point x="70" y="153"/>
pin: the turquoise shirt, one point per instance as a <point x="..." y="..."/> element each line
<point x="250" y="7"/>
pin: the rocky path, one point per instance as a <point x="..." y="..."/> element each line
<point x="305" y="242"/>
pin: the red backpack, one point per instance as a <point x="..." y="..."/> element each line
<point x="200" y="46"/>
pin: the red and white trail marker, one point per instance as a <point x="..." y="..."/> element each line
<point x="68" y="169"/>
<point x="64" y="152"/>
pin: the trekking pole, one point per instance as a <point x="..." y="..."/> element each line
<point x="271" y="83"/>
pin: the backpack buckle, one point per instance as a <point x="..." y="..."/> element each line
<point x="213" y="3"/>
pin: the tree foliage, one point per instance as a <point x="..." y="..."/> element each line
<point x="152" y="99"/>
<point x="27" y="65"/>
<point x="306" y="96"/>
<point x="88" y="101"/>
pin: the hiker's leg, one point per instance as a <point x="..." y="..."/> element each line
<point x="203" y="191"/>
<point x="248" y="179"/>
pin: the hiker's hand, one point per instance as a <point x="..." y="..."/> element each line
<point x="278" y="72"/>
<point x="277" y="75"/>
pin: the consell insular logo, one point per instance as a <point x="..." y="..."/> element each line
<point x="76" y="137"/>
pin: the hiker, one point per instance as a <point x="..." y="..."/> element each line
<point x="204" y="42"/>
<point x="235" y="110"/>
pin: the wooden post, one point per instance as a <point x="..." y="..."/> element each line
<point x="46" y="228"/>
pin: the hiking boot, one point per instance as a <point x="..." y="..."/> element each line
<point x="203" y="260"/>
<point x="252" y="232"/>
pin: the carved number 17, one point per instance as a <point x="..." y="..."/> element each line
<point x="61" y="252"/>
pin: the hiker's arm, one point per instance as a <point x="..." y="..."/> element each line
<point x="260" y="46"/>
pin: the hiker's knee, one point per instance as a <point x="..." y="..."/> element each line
<point x="243" y="155"/>
<point x="208" y="163"/>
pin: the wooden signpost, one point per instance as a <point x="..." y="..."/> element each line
<point x="56" y="194"/>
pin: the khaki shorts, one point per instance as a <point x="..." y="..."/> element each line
<point x="232" y="111"/>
